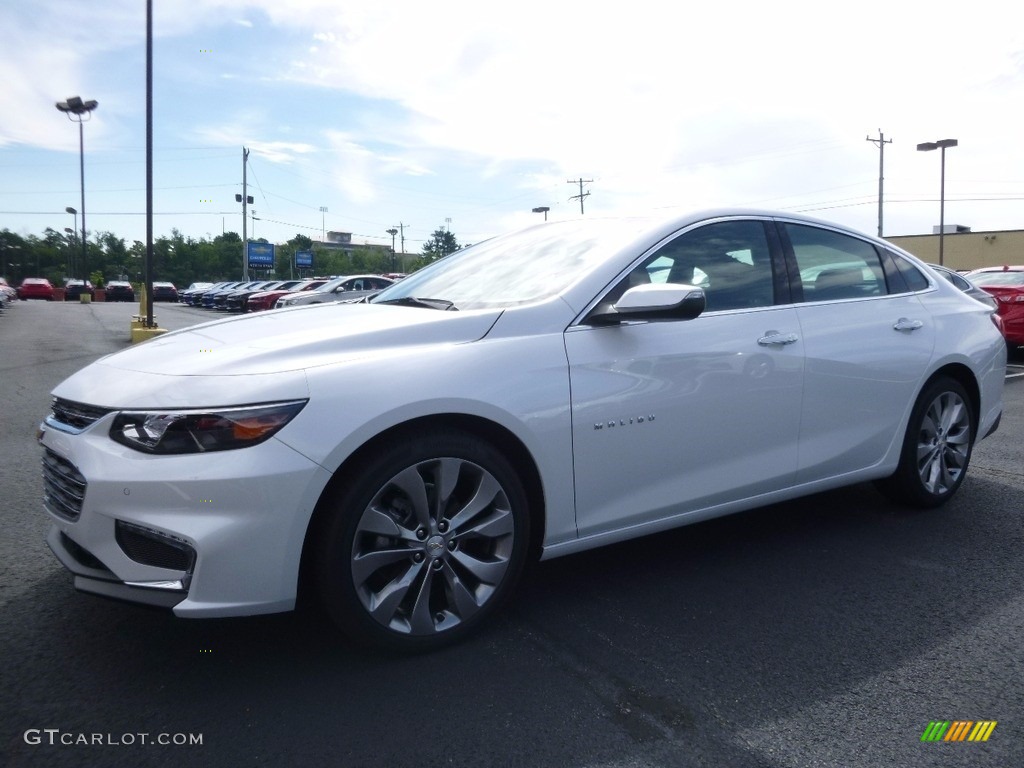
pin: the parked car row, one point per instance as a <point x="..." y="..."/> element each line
<point x="259" y="295"/>
<point x="7" y="295"/>
<point x="264" y="300"/>
<point x="345" y="288"/>
<point x="115" y="290"/>
<point x="232" y="295"/>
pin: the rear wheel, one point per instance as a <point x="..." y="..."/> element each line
<point x="937" y="447"/>
<point x="424" y="544"/>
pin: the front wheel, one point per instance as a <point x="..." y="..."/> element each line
<point x="936" y="448"/>
<point x="424" y="543"/>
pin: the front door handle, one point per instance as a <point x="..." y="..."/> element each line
<point x="906" y="324"/>
<point x="774" y="338"/>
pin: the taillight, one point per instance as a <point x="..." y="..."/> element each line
<point x="997" y="321"/>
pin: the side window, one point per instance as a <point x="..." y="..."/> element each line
<point x="912" y="275"/>
<point x="730" y="260"/>
<point x="835" y="266"/>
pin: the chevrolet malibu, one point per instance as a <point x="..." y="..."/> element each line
<point x="563" y="387"/>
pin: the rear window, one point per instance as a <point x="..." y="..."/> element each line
<point x="998" y="278"/>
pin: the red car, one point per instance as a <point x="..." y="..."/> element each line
<point x="35" y="288"/>
<point x="1006" y="284"/>
<point x="266" y="299"/>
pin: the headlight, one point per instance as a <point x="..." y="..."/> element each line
<point x="197" y="431"/>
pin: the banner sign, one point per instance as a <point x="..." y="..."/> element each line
<point x="260" y="255"/>
<point x="304" y="259"/>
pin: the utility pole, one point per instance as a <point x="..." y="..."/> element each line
<point x="880" y="142"/>
<point x="394" y="259"/>
<point x="245" y="233"/>
<point x="244" y="199"/>
<point x="581" y="181"/>
<point x="401" y="228"/>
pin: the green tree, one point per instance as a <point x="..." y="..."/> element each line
<point x="441" y="243"/>
<point x="371" y="260"/>
<point x="286" y="255"/>
<point x="18" y="256"/>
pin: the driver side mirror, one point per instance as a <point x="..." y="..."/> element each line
<point x="653" y="301"/>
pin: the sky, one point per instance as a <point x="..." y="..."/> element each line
<point x="467" y="115"/>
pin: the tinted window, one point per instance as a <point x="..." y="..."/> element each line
<point x="730" y="260"/>
<point x="911" y="275"/>
<point x="835" y="266"/>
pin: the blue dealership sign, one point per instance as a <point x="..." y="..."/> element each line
<point x="304" y="259"/>
<point x="260" y="255"/>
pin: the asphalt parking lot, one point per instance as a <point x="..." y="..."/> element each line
<point x="829" y="631"/>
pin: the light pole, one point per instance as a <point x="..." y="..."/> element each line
<point x="393" y="231"/>
<point x="323" y="225"/>
<point x="74" y="224"/>
<point x="71" y="247"/>
<point x="928" y="146"/>
<point x="9" y="253"/>
<point x="79" y="111"/>
<point x="542" y="209"/>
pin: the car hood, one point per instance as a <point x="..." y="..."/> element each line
<point x="264" y="354"/>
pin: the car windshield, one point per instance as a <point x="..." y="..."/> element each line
<point x="520" y="268"/>
<point x="998" y="278"/>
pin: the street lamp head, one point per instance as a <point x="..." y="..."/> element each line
<point x="71" y="210"/>
<point x="541" y="209"/>
<point x="69" y="230"/>
<point x="928" y="146"/>
<point x="392" y="231"/>
<point x="75" y="106"/>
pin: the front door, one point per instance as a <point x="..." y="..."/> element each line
<point x="672" y="416"/>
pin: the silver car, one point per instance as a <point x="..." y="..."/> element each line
<point x="570" y="385"/>
<point x="345" y="288"/>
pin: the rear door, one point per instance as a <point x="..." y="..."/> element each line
<point x="868" y="341"/>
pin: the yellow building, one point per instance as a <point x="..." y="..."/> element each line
<point x="966" y="250"/>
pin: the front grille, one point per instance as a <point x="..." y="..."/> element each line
<point x="63" y="486"/>
<point x="153" y="548"/>
<point x="77" y="415"/>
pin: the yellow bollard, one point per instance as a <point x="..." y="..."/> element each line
<point x="139" y="330"/>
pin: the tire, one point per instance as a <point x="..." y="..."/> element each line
<point x="424" y="544"/>
<point x="936" y="448"/>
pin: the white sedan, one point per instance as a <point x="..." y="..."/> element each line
<point x="563" y="387"/>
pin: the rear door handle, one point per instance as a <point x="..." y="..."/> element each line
<point x="776" y="339"/>
<point x="906" y="324"/>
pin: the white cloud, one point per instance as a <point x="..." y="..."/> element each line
<point x="661" y="105"/>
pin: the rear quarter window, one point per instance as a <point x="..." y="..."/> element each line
<point x="909" y="274"/>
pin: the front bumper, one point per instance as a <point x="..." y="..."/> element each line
<point x="203" y="534"/>
<point x="93" y="577"/>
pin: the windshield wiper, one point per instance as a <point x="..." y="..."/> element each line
<point x="413" y="301"/>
